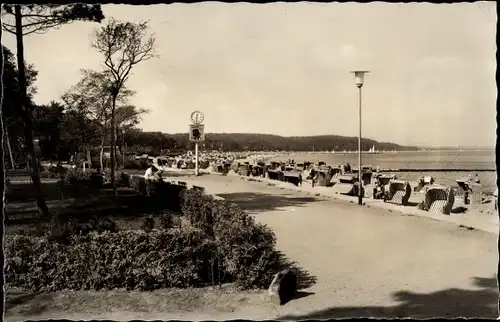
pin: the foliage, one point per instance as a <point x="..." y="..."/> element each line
<point x="127" y="259"/>
<point x="166" y="220"/>
<point x="139" y="185"/>
<point x="154" y="143"/>
<point x="37" y="18"/>
<point x="62" y="227"/>
<point x="226" y="245"/>
<point x="135" y="164"/>
<point x="89" y="178"/>
<point x="199" y="209"/>
<point x="148" y="223"/>
<point x="245" y="249"/>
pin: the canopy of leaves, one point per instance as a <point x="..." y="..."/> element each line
<point x="40" y="18"/>
<point x="92" y="96"/>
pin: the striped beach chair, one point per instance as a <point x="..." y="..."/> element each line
<point x="346" y="185"/>
<point x="399" y="192"/>
<point x="439" y="199"/>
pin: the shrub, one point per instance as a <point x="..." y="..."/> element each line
<point x="166" y="220"/>
<point x="124" y="180"/>
<point x="81" y="181"/>
<point x="74" y="176"/>
<point x="148" y="223"/>
<point x="138" y="184"/>
<point x="62" y="227"/>
<point x="128" y="259"/>
<point x="198" y="208"/>
<point x="245" y="249"/>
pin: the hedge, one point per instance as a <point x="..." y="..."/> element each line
<point x="245" y="249"/>
<point x="162" y="194"/>
<point x="127" y="259"/>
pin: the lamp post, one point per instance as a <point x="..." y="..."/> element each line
<point x="359" y="76"/>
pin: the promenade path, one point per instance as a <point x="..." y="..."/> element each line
<point x="368" y="261"/>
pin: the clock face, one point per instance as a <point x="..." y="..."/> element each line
<point x="197" y="117"/>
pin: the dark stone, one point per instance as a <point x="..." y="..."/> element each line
<point x="283" y="288"/>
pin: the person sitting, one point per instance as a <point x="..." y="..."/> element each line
<point x="150" y="173"/>
<point x="379" y="190"/>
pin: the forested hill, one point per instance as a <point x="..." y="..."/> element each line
<point x="268" y="142"/>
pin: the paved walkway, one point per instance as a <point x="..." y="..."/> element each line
<point x="369" y="261"/>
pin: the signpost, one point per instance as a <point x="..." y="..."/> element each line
<point x="196" y="134"/>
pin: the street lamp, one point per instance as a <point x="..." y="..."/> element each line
<point x="359" y="76"/>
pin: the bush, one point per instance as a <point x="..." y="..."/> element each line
<point x="62" y="227"/>
<point x="122" y="179"/>
<point x="245" y="249"/>
<point x="128" y="259"/>
<point x="138" y="184"/>
<point x="198" y="208"/>
<point x="166" y="220"/>
<point x="148" y="224"/>
<point x="162" y="195"/>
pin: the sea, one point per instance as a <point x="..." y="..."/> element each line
<point x="462" y="160"/>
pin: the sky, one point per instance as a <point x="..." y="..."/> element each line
<point x="284" y="68"/>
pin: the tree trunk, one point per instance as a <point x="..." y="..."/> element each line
<point x="113" y="143"/>
<point x="9" y="148"/>
<point x="115" y="147"/>
<point x="2" y="155"/>
<point x="89" y="157"/>
<point x="26" y="115"/>
<point x="101" y="152"/>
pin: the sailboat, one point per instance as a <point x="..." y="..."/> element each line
<point x="372" y="150"/>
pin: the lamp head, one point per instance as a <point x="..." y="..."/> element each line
<point x="359" y="76"/>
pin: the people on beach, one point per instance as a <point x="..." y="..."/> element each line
<point x="378" y="190"/>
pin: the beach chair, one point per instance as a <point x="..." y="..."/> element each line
<point x="346" y="185"/>
<point x="471" y="192"/>
<point x="293" y="176"/>
<point x="438" y="199"/>
<point x="244" y="170"/>
<point x="399" y="192"/>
